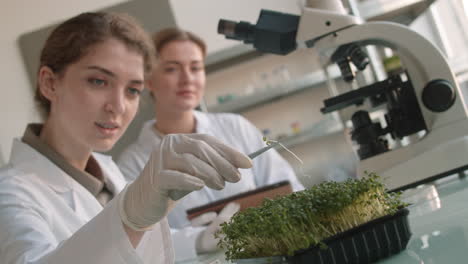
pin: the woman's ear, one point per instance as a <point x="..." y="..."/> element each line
<point x="47" y="82"/>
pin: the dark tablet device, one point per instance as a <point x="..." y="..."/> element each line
<point x="247" y="199"/>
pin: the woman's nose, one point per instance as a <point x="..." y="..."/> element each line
<point x="116" y="103"/>
<point x="187" y="75"/>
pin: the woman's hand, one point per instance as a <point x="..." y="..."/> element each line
<point x="183" y="162"/>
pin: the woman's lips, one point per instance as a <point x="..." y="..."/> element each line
<point x="108" y="129"/>
<point x="185" y="93"/>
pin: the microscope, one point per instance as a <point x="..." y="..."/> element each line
<point x="422" y="103"/>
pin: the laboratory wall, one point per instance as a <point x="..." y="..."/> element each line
<point x="17" y="18"/>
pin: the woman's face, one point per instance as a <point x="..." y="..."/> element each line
<point x="178" y="80"/>
<point x="97" y="97"/>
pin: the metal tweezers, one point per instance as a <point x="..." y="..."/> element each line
<point x="177" y="194"/>
<point x="260" y="151"/>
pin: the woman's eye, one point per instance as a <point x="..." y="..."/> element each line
<point x="197" y="68"/>
<point x="97" y="82"/>
<point x="169" y="69"/>
<point x="134" y="91"/>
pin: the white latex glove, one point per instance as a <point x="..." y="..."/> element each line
<point x="206" y="241"/>
<point x="203" y="219"/>
<point x="183" y="162"/>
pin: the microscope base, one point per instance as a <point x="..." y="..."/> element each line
<point x="442" y="152"/>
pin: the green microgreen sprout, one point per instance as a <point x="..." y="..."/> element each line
<point x="301" y="165"/>
<point x="270" y="141"/>
<point x="302" y="219"/>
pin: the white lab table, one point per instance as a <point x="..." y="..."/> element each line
<point x="438" y="220"/>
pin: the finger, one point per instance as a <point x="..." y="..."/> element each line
<point x="176" y="195"/>
<point x="236" y="158"/>
<point x="205" y="171"/>
<point x="192" y="165"/>
<point x="226" y="213"/>
<point x="204" y="152"/>
<point x="176" y="180"/>
<point x="229" y="210"/>
<point x="203" y="219"/>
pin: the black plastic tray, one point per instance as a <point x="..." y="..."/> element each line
<point x="367" y="243"/>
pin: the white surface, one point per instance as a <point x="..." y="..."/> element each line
<point x="331" y="5"/>
<point x="16" y="18"/>
<point x="315" y="23"/>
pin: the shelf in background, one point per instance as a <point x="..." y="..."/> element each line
<point x="328" y="125"/>
<point x="230" y="56"/>
<point x="242" y="103"/>
<point x="400" y="11"/>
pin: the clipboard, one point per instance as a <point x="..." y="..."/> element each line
<point x="247" y="199"/>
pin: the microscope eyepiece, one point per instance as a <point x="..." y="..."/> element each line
<point x="243" y="31"/>
<point x="274" y="32"/>
<point x="227" y="27"/>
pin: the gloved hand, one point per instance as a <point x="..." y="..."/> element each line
<point x="183" y="162"/>
<point x="203" y="219"/>
<point x="206" y="241"/>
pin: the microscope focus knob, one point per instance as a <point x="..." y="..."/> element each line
<point x="438" y="95"/>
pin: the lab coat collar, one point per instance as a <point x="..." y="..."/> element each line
<point x="93" y="183"/>
<point x="113" y="178"/>
<point x="148" y="132"/>
<point x="202" y="122"/>
<point x="28" y="160"/>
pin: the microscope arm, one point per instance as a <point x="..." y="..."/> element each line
<point x="416" y="53"/>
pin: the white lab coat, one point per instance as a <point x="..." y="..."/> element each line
<point x="231" y="129"/>
<point x="48" y="217"/>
